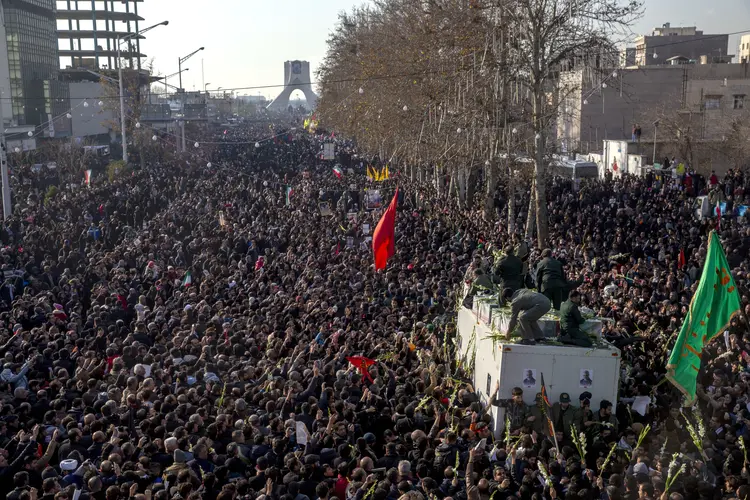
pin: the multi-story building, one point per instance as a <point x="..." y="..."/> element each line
<point x="744" y="53"/>
<point x="29" y="67"/>
<point x="670" y="41"/>
<point x="88" y="32"/>
<point x="711" y="94"/>
<point x="627" y="57"/>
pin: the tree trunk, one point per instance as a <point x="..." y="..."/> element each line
<point x="461" y="181"/>
<point x="511" y="204"/>
<point x="490" y="173"/>
<point x="470" y="187"/>
<point x="531" y="214"/>
<point x="540" y="169"/>
<point x="438" y="179"/>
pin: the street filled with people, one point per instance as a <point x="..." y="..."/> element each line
<point x="212" y="326"/>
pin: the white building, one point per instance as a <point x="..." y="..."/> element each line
<point x="744" y="52"/>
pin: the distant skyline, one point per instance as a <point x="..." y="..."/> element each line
<point x="246" y="42"/>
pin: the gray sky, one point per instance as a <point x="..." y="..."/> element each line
<point x="247" y="41"/>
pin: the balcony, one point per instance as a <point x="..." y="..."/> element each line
<point x="65" y="34"/>
<point x="98" y="14"/>
<point x="100" y="53"/>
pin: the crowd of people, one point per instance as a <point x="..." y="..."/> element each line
<point x="200" y="328"/>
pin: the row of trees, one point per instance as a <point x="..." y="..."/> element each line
<point x="459" y="86"/>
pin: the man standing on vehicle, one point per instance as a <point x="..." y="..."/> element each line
<point x="550" y="278"/>
<point x="508" y="272"/>
<point x="527" y="308"/>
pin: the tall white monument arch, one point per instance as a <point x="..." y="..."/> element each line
<point x="296" y="77"/>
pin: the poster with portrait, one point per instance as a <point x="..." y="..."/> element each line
<point x="373" y="199"/>
<point x="586" y="378"/>
<point x="529" y="377"/>
<point x="325" y="209"/>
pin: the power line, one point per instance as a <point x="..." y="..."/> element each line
<point x="366" y="79"/>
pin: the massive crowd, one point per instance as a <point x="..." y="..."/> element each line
<point x="185" y="331"/>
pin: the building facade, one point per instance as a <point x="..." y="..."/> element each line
<point x="668" y="41"/>
<point x="88" y="33"/>
<point x="711" y="95"/>
<point x="29" y="66"/>
<point x="743" y="54"/>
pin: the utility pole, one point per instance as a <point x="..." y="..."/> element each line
<point x="7" y="209"/>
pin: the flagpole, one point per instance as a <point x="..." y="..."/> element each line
<point x="547" y="406"/>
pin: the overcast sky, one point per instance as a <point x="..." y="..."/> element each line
<point x="247" y="41"/>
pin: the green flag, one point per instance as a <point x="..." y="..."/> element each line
<point x="715" y="302"/>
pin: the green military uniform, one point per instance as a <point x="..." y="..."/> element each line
<point x="509" y="273"/>
<point x="481" y="283"/>
<point x="564" y="418"/>
<point x="570" y="325"/>
<point x="540" y="420"/>
<point x="522" y="252"/>
<point x="550" y="280"/>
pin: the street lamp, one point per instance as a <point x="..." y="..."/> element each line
<point x="122" y="92"/>
<point x="166" y="89"/>
<point x="205" y="88"/>
<point x="656" y="126"/>
<point x="183" y="59"/>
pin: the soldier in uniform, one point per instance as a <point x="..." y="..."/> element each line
<point x="571" y="321"/>
<point x="564" y="415"/>
<point x="550" y="278"/>
<point x="480" y="283"/>
<point x="527" y="307"/>
<point x="508" y="272"/>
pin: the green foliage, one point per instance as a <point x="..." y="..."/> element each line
<point x="50" y="194"/>
<point x="115" y="169"/>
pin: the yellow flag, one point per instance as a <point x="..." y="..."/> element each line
<point x="387" y="173"/>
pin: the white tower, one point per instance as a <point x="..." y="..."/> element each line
<point x="296" y="77"/>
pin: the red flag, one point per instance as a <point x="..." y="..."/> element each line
<point x="362" y="363"/>
<point x="681" y="262"/>
<point x="384" y="236"/>
<point x="338" y="248"/>
<point x="718" y="216"/>
<point x="546" y="410"/>
<point x="545" y="397"/>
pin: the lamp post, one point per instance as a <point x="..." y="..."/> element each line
<point x="122" y="91"/>
<point x="205" y="88"/>
<point x="183" y="59"/>
<point x="166" y="89"/>
<point x="182" y="91"/>
<point x="656" y="125"/>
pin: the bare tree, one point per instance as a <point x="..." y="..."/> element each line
<point x="441" y="82"/>
<point x="547" y="35"/>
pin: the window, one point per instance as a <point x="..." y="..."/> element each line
<point x="712" y="102"/>
<point x="739" y="101"/>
